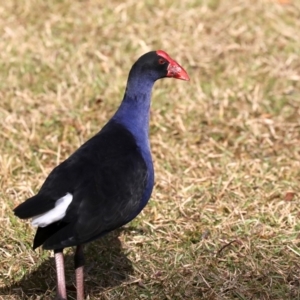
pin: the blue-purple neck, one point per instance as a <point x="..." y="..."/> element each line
<point x="133" y="113"/>
<point x="134" y="110"/>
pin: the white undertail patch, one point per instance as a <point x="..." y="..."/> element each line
<point x="55" y="214"/>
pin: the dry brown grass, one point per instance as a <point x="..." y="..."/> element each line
<point x="223" y="221"/>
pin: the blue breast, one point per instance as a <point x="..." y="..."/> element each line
<point x="150" y="180"/>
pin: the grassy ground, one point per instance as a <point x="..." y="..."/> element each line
<point x="223" y="221"/>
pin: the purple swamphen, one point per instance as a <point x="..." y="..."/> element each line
<point x="107" y="181"/>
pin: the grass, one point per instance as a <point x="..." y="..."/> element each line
<point x="223" y="221"/>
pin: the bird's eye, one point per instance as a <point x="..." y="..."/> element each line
<point x="161" y="61"/>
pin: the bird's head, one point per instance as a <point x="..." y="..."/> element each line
<point x="173" y="68"/>
<point x="158" y="64"/>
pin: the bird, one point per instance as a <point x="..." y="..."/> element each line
<point x="107" y="181"/>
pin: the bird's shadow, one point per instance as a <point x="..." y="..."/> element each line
<point x="106" y="267"/>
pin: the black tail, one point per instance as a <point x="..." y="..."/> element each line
<point x="34" y="206"/>
<point x="44" y="233"/>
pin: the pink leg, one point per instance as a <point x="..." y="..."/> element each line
<point x="60" y="271"/>
<point x="79" y="283"/>
<point x="79" y="263"/>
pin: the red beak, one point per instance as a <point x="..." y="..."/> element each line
<point x="175" y="70"/>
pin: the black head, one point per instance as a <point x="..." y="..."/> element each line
<point x="158" y="64"/>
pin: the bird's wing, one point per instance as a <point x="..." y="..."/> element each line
<point x="95" y="210"/>
<point x="97" y="189"/>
